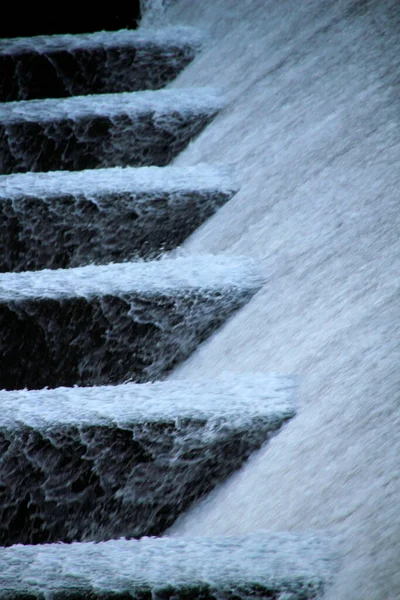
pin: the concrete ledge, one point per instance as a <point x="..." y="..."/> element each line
<point x="262" y="565"/>
<point x="58" y="66"/>
<point x="104" y="462"/>
<point x="102" y="130"/>
<point x="62" y="219"/>
<point x="108" y="324"/>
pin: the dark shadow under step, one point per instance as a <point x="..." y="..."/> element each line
<point x="70" y="65"/>
<point x="61" y="219"/>
<point x="38" y="19"/>
<point x="262" y="565"/>
<point x="108" y="324"/>
<point x="99" y="463"/>
<point x="104" y="130"/>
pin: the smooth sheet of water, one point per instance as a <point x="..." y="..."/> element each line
<point x="312" y="133"/>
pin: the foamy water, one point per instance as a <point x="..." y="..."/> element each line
<point x="312" y="134"/>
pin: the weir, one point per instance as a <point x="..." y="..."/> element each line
<point x="85" y="453"/>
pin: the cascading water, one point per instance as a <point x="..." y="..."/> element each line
<point x="103" y="215"/>
<point x="107" y="324"/>
<point x="125" y="460"/>
<point x="312" y="132"/>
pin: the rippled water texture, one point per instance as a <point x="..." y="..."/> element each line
<point x="312" y="132"/>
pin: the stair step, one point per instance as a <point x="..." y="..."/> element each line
<point x="57" y="66"/>
<point x="62" y="219"/>
<point x="105" y="462"/>
<point x="102" y="130"/>
<point x="263" y="565"/>
<point x="108" y="324"/>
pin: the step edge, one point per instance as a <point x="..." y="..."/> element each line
<point x="157" y="102"/>
<point x="239" y="400"/>
<point x="168" y="275"/>
<point x="169" y="36"/>
<point x="150" y="179"/>
<point x="239" y="561"/>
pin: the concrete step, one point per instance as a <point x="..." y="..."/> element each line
<point x="58" y="66"/>
<point x="102" y="130"/>
<point x="279" y="566"/>
<point x="104" y="462"/>
<point x="62" y="219"/>
<point x="106" y="324"/>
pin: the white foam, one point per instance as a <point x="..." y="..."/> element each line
<point x="139" y="38"/>
<point x="241" y="400"/>
<point x="167" y="275"/>
<point x="264" y="559"/>
<point x="118" y="179"/>
<point x="159" y="103"/>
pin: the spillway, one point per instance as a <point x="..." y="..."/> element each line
<point x="281" y="125"/>
<point x="312" y="130"/>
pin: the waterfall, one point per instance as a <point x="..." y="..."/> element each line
<point x="312" y="131"/>
<point x="269" y="168"/>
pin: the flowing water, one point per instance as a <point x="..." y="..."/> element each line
<point x="311" y="131"/>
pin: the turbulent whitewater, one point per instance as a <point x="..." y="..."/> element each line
<point x="109" y="324"/>
<point x="62" y="219"/>
<point x="108" y="461"/>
